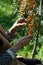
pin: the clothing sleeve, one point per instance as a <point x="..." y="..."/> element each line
<point x="5" y="59"/>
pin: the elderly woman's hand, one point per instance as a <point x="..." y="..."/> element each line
<point x="22" y="42"/>
<point x="19" y="23"/>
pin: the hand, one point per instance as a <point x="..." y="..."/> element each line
<point x="22" y="42"/>
<point x="20" y="22"/>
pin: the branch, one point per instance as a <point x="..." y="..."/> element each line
<point x="35" y="45"/>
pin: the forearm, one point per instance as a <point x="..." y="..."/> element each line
<point x="4" y="33"/>
<point x="12" y="30"/>
<point x="5" y="45"/>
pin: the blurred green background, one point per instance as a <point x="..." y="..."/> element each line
<point x="8" y="15"/>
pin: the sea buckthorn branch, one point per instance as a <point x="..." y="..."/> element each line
<point x="26" y="8"/>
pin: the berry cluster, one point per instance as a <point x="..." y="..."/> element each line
<point x="26" y="10"/>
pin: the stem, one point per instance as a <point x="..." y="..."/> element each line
<point x="35" y="46"/>
<point x="37" y="36"/>
<point x="40" y="7"/>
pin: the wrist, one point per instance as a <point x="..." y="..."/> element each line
<point x="14" y="49"/>
<point x="12" y="30"/>
<point x="11" y="53"/>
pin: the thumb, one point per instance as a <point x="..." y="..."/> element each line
<point x="22" y="24"/>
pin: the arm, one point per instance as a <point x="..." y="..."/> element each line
<point x="7" y="57"/>
<point x="2" y="31"/>
<point x="19" y="23"/>
<point x="22" y="42"/>
<point x="5" y="45"/>
<point x="19" y="44"/>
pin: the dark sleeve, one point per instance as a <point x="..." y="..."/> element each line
<point x="5" y="59"/>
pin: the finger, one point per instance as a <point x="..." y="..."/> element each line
<point x="22" y="24"/>
<point x="26" y="37"/>
<point x="21" y="20"/>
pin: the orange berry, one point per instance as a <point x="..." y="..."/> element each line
<point x="28" y="8"/>
<point x="21" y="13"/>
<point x="29" y="18"/>
<point x="20" y="7"/>
<point x="30" y="32"/>
<point x="19" y="2"/>
<point x="30" y="26"/>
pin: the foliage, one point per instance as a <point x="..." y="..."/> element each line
<point x="11" y="10"/>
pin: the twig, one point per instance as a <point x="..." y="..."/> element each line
<point x="37" y="36"/>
